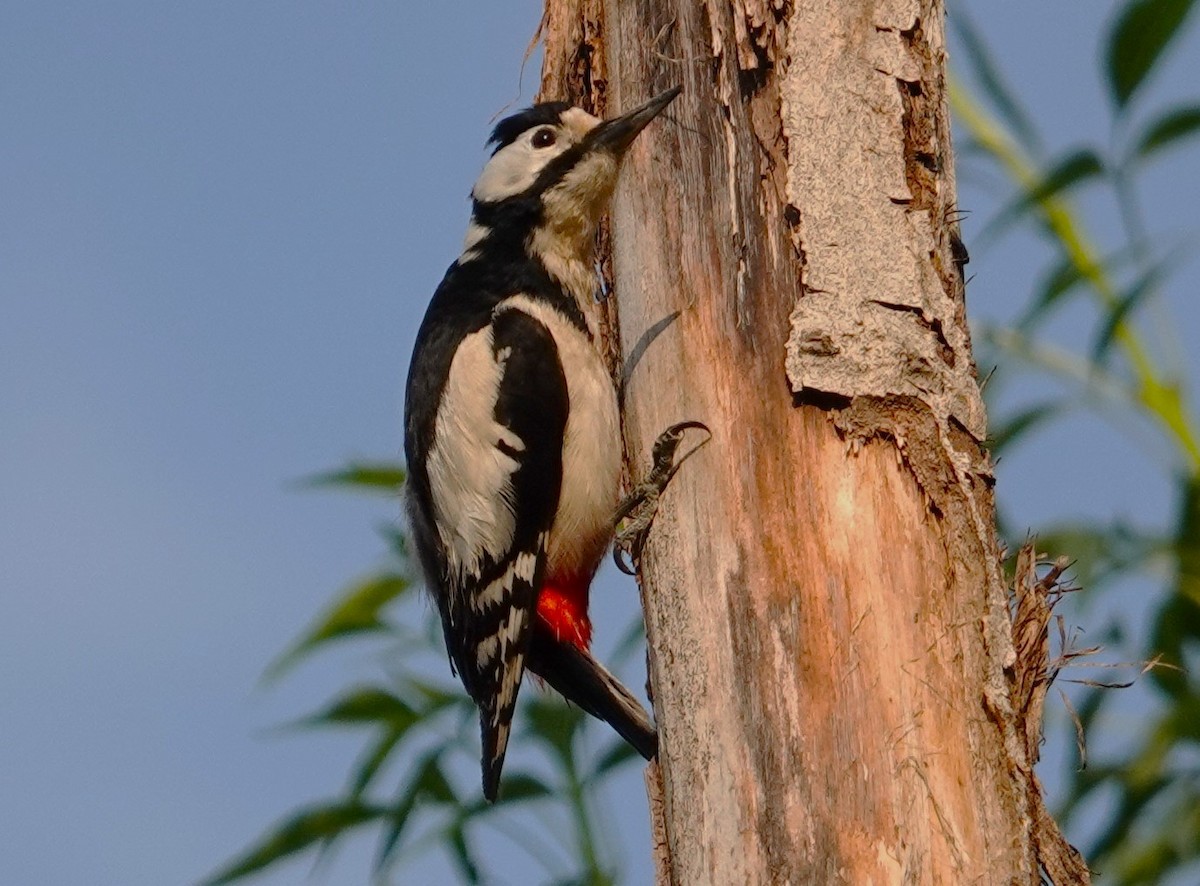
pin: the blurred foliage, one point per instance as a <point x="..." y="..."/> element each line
<point x="1148" y="794"/>
<point x="421" y="739"/>
<point x="421" y="729"/>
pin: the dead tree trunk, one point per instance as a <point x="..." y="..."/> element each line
<point x="830" y="642"/>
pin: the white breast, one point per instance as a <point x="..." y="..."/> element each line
<point x="591" y="483"/>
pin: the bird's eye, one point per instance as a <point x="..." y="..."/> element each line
<point x="544" y="138"/>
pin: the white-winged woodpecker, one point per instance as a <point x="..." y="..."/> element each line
<point x="511" y="429"/>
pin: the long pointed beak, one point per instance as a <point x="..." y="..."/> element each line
<point x="617" y="135"/>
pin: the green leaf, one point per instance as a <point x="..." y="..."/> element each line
<point x="428" y="785"/>
<point x="317" y="824"/>
<point x="619" y="752"/>
<point x="366" y="704"/>
<point x="1100" y="552"/>
<point x="1065" y="276"/>
<point x="371" y="476"/>
<point x="373" y="760"/>
<point x="1133" y="297"/>
<point x="1172" y="126"/>
<point x="1078" y="166"/>
<point x="456" y="837"/>
<point x="435" y="697"/>
<point x="1142" y="31"/>
<point x="521" y="786"/>
<point x="555" y="725"/>
<point x="1176" y="629"/>
<point x="398" y="817"/>
<point x="1174" y="843"/>
<point x="1184" y="719"/>
<point x="988" y="76"/>
<point x="1062" y="278"/>
<point x="431" y="782"/>
<point x="1187" y="543"/>
<point x="631" y="640"/>
<point x="355" y="612"/>
<point x="1010" y="430"/>
<point x="396" y="540"/>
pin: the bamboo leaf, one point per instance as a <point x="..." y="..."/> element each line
<point x="1100" y="551"/>
<point x="521" y="786"/>
<point x="1078" y="166"/>
<point x="555" y="725"/>
<point x="456" y="838"/>
<point x="367" y="704"/>
<point x="1074" y="168"/>
<point x="1142" y="32"/>
<point x="385" y="477"/>
<point x="301" y="831"/>
<point x="1176" y="629"/>
<point x="1168" y="129"/>
<point x="427" y="784"/>
<point x="1062" y="278"/>
<point x="355" y="612"/>
<point x="373" y="760"/>
<point x="619" y="752"/>
<point x="431" y="782"/>
<point x="397" y="819"/>
<point x="1117" y="315"/>
<point x="1010" y="430"/>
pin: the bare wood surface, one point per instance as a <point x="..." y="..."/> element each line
<point x="831" y="652"/>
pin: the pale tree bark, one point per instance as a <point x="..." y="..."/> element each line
<point x="832" y="656"/>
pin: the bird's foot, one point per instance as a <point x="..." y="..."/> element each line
<point x="636" y="513"/>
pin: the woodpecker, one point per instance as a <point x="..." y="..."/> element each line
<point x="511" y="427"/>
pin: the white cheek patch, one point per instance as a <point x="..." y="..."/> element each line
<point x="469" y="477"/>
<point x="516" y="166"/>
<point x="513" y="170"/>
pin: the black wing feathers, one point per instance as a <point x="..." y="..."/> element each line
<point x="532" y="403"/>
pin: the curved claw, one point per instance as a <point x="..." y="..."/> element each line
<point x="642" y="503"/>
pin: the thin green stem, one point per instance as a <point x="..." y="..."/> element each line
<point x="584" y="825"/>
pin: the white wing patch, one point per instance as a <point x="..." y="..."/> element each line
<point x="469" y="476"/>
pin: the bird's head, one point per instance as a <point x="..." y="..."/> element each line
<point x="552" y="171"/>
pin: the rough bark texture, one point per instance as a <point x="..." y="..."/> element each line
<point x="831" y="648"/>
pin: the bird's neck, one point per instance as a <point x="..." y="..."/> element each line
<point x="568" y="255"/>
<point x="561" y="242"/>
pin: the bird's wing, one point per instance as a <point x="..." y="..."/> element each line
<point x="495" y="470"/>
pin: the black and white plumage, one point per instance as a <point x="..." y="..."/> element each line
<point x="511" y="427"/>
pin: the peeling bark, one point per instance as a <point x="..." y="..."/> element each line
<point x="831" y="649"/>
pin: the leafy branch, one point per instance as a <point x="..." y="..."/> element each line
<point x="419" y="722"/>
<point x="1150" y="827"/>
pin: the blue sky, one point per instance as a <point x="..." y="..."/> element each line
<point x="219" y="224"/>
